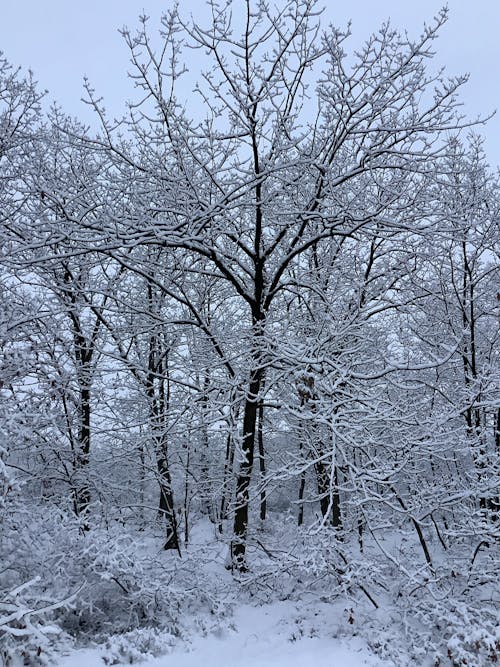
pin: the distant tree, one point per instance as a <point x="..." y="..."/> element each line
<point x="19" y="110"/>
<point x="59" y="186"/>
<point x="461" y="308"/>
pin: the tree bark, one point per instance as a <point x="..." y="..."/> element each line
<point x="238" y="546"/>
<point x="83" y="497"/>
<point x="262" y="463"/>
<point x="240" y="526"/>
<point x="167" y="504"/>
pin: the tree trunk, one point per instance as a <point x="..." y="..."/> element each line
<point x="262" y="463"/>
<point x="167" y="504"/>
<point x="238" y="545"/>
<point x="82" y="490"/>
<point x="204" y="486"/>
<point x="323" y="482"/>
<point x="240" y="526"/>
<point x="302" y="486"/>
<point x="336" y="516"/>
<point x="228" y="468"/>
<point x="159" y="402"/>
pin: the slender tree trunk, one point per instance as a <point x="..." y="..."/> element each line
<point x="83" y="457"/>
<point x="418" y="529"/>
<point x="497" y="432"/>
<point x="83" y="351"/>
<point x="328" y="490"/>
<point x="228" y="468"/>
<point x="336" y="515"/>
<point x="159" y="401"/>
<point x="228" y="465"/>
<point x="473" y="414"/>
<point x="495" y="502"/>
<point x="186" y="494"/>
<point x="142" y="481"/>
<point x="360" y="532"/>
<point x="204" y="482"/>
<point x="302" y="486"/>
<point x="323" y="482"/>
<point x="262" y="463"/>
<point x="167" y="509"/>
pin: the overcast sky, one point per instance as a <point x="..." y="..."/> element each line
<point x="61" y="40"/>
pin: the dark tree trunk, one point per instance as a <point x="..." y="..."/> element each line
<point x="167" y="504"/>
<point x="82" y="493"/>
<point x="262" y="463"/>
<point x="360" y="533"/>
<point x="83" y="351"/>
<point x="329" y="497"/>
<point x="336" y="516"/>
<point x="142" y="481"/>
<point x="323" y="482"/>
<point x="302" y="486"/>
<point x="417" y="527"/>
<point x="228" y="467"/>
<point x="186" y="494"/>
<point x="495" y="502"/>
<point x="205" y="491"/>
<point x="238" y="546"/>
<point x="159" y="402"/>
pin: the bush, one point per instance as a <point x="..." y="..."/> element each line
<point x="137" y="645"/>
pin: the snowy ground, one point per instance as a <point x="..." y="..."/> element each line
<point x="297" y="631"/>
<point x="275" y="635"/>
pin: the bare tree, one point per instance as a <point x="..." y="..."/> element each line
<point x="252" y="183"/>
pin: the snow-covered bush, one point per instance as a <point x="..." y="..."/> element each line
<point x="114" y="587"/>
<point x="137" y="645"/>
<point x="456" y="633"/>
<point x="473" y="637"/>
<point x="27" y="634"/>
<point x="435" y="622"/>
<point x="96" y="584"/>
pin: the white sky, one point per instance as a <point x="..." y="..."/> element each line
<point x="61" y="40"/>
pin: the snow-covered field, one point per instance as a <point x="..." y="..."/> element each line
<point x="144" y="605"/>
<point x="266" y="636"/>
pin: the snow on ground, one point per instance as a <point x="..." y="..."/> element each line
<point x="272" y="635"/>
<point x="305" y="632"/>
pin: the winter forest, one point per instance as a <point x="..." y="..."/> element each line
<point x="250" y="355"/>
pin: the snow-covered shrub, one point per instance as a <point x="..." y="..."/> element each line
<point x="115" y="587"/>
<point x="473" y="640"/>
<point x="137" y="645"/>
<point x="113" y="583"/>
<point x="292" y="562"/>
<point x="436" y="623"/>
<point x="28" y="636"/>
<point x="461" y="633"/>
